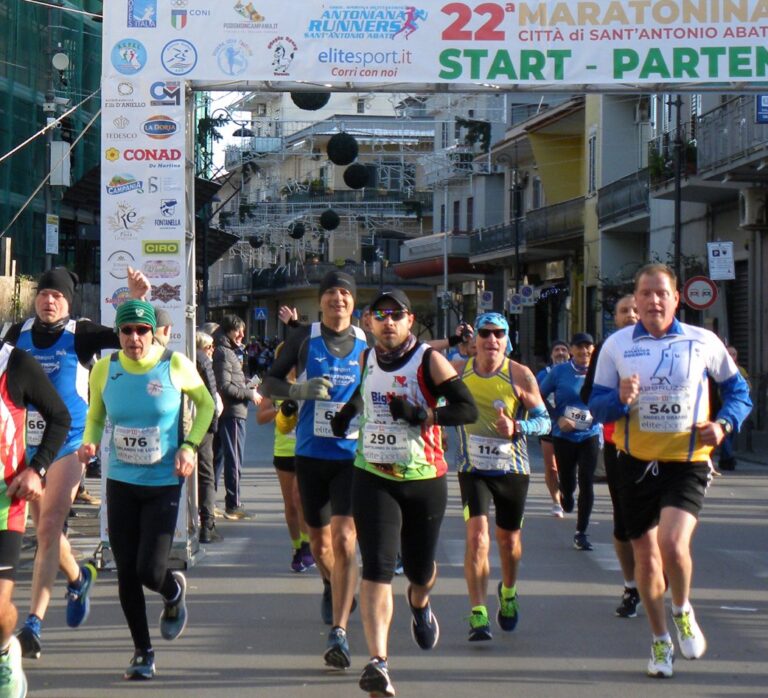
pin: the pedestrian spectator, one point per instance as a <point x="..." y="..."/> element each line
<point x="206" y="485"/>
<point x="399" y="489"/>
<point x="624" y="315"/>
<point x="236" y="396"/>
<point x="65" y="348"/>
<point x="576" y="435"/>
<point x="493" y="464"/>
<point x="148" y="462"/>
<point x="23" y="386"/>
<point x="325" y="357"/>
<point x="462" y="343"/>
<point x="559" y="354"/>
<point x="164" y="326"/>
<point x="652" y="380"/>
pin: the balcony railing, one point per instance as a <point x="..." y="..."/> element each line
<point x="557" y="222"/>
<point x="661" y="154"/>
<point x="498" y="238"/>
<point x="729" y="133"/>
<point x="310" y="274"/>
<point x="624" y="198"/>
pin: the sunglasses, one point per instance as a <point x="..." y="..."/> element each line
<point x="485" y="333"/>
<point x="382" y="315"/>
<point x="138" y="329"/>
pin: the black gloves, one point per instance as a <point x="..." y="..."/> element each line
<point x="289" y="407"/>
<point x="400" y="408"/>
<point x="340" y="424"/>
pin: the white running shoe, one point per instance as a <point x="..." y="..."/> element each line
<point x="557" y="511"/>
<point x="13" y="682"/>
<point x="662" y="658"/>
<point x="690" y="639"/>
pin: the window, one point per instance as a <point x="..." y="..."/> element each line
<point x="261" y="109"/>
<point x="470" y="213"/>
<point x="456" y="214"/>
<point x="361" y="106"/>
<point x="444" y="135"/>
<point x="592" y="165"/>
<point x="537" y="194"/>
<point x="442" y="217"/>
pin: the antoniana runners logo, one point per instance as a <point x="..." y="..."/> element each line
<point x="663" y="12"/>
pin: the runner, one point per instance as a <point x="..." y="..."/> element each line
<point x="325" y="356"/>
<point x="65" y="348"/>
<point x="399" y="491"/>
<point x="624" y="315"/>
<point x="23" y="385"/>
<point x="493" y="464"/>
<point x="148" y="462"/>
<point x="576" y="436"/>
<point x="652" y="380"/>
<point x="559" y="354"/>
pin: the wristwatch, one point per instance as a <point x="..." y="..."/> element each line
<point x="726" y="425"/>
<point x="194" y="447"/>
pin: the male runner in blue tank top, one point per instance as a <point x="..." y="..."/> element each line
<point x="65" y="348"/>
<point x="325" y="355"/>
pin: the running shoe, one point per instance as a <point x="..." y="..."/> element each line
<point x="581" y="542"/>
<point x="425" y="629"/>
<point x="85" y="497"/>
<point x="236" y="514"/>
<point x="375" y="678"/>
<point x="218" y="513"/>
<point x="399" y="565"/>
<point x="78" y="599"/>
<point x="557" y="511"/>
<point x="479" y="627"/>
<point x="337" y="650"/>
<point x="662" y="658"/>
<point x="173" y="619"/>
<point x="690" y="639"/>
<point x="297" y="564"/>
<point x="142" y="666"/>
<point x="13" y="682"/>
<point x="508" y="613"/>
<point x="629" y="603"/>
<point x="210" y="534"/>
<point x="29" y="640"/>
<point x="326" y="603"/>
<point x="306" y="556"/>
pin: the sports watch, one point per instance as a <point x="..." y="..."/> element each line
<point x="726" y="425"/>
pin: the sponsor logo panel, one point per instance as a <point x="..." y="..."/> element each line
<point x="126" y="223"/>
<point x="160" y="247"/>
<point x="128" y="56"/>
<point x="160" y="127"/>
<point x="118" y="263"/>
<point x="142" y="14"/>
<point x="179" y="57"/>
<point x="283" y="50"/>
<point x="232" y="56"/>
<point x="124" y="183"/>
<point x="165" y="93"/>
<point x="162" y="269"/>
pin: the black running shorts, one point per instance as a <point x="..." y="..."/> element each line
<point x="509" y="493"/>
<point x="10" y="551"/>
<point x="284" y="464"/>
<point x="644" y="489"/>
<point x="325" y="488"/>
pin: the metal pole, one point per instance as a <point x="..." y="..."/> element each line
<point x="446" y="295"/>
<point x="678" y="158"/>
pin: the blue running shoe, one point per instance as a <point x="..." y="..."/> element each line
<point x="375" y="679"/>
<point x="142" y="666"/>
<point x="78" y="599"/>
<point x="337" y="651"/>
<point x="31" y="647"/>
<point x="173" y="619"/>
<point x="508" y="613"/>
<point x="425" y="629"/>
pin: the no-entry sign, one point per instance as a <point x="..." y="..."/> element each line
<point x="699" y="292"/>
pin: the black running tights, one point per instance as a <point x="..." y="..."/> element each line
<point x="141" y="521"/>
<point x="577" y="457"/>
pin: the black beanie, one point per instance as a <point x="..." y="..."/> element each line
<point x="61" y="280"/>
<point x="338" y="279"/>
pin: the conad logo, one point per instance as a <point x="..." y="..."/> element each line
<point x="152" y="154"/>
<point x="160" y="247"/>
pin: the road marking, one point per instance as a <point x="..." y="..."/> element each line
<point x="738" y="609"/>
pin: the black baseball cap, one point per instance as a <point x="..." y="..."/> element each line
<point x="582" y="338"/>
<point x="394" y="294"/>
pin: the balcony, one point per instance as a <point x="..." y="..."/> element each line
<point x="556" y="223"/>
<point x="311" y="274"/>
<point x="624" y="200"/>
<point x="499" y="238"/>
<point x="729" y="140"/>
<point x="251" y="149"/>
<point x="455" y="163"/>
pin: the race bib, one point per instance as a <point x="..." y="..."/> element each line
<point x="386" y="443"/>
<point x="137" y="446"/>
<point x="582" y="417"/>
<point x="35" y="428"/>
<point x="488" y="453"/>
<point x="669" y="411"/>
<point x="324" y="411"/>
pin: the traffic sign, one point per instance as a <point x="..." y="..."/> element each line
<point x="699" y="292"/>
<point x="486" y="300"/>
<point x="259" y="313"/>
<point x="514" y="303"/>
<point x="527" y="293"/>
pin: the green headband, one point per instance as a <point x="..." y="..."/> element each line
<point x="136" y="311"/>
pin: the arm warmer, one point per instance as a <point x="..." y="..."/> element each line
<point x="538" y="422"/>
<point x="461" y="408"/>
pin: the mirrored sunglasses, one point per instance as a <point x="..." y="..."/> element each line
<point x="382" y="315"/>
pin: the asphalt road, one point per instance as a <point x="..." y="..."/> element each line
<point x="255" y="627"/>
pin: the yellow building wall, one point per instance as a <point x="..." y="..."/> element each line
<point x="560" y="159"/>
